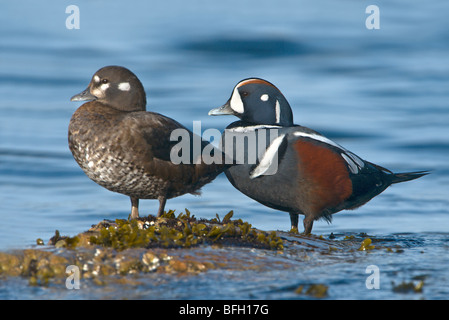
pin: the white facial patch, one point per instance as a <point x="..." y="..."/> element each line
<point x="96" y="78"/>
<point x="104" y="86"/>
<point x="264" y="97"/>
<point x="97" y="92"/>
<point x="236" y="101"/>
<point x="124" y="86"/>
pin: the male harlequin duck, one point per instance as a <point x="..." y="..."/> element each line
<point x="126" y="149"/>
<point x="299" y="171"/>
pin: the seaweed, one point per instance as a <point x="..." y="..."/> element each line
<point x="316" y="290"/>
<point x="408" y="287"/>
<point x="366" y="245"/>
<point x="183" y="231"/>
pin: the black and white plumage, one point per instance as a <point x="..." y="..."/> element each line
<point x="299" y="171"/>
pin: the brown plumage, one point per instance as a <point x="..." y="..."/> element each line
<point x="126" y="149"/>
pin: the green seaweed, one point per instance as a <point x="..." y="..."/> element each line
<point x="183" y="231"/>
<point x="317" y="290"/>
<point x="115" y="248"/>
<point x="408" y="287"/>
<point x="366" y="245"/>
<point x="114" y="252"/>
<point x="62" y="241"/>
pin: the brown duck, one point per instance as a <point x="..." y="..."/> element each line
<point x="126" y="149"/>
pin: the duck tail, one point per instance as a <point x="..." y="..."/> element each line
<point x="407" y="176"/>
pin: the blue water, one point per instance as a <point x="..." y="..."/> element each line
<point x="383" y="94"/>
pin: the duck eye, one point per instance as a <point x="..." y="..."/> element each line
<point x="244" y="93"/>
<point x="104" y="80"/>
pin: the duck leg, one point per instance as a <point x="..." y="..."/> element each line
<point x="294" y="222"/>
<point x="162" y="201"/>
<point x="134" y="208"/>
<point x="308" y="224"/>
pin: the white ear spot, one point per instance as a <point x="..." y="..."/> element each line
<point x="124" y="86"/>
<point x="96" y="78"/>
<point x="264" y="97"/>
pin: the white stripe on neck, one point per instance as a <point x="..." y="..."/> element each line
<point x="253" y="128"/>
<point x="278" y="111"/>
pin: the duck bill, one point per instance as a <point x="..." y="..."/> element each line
<point x="223" y="110"/>
<point x="84" y="96"/>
